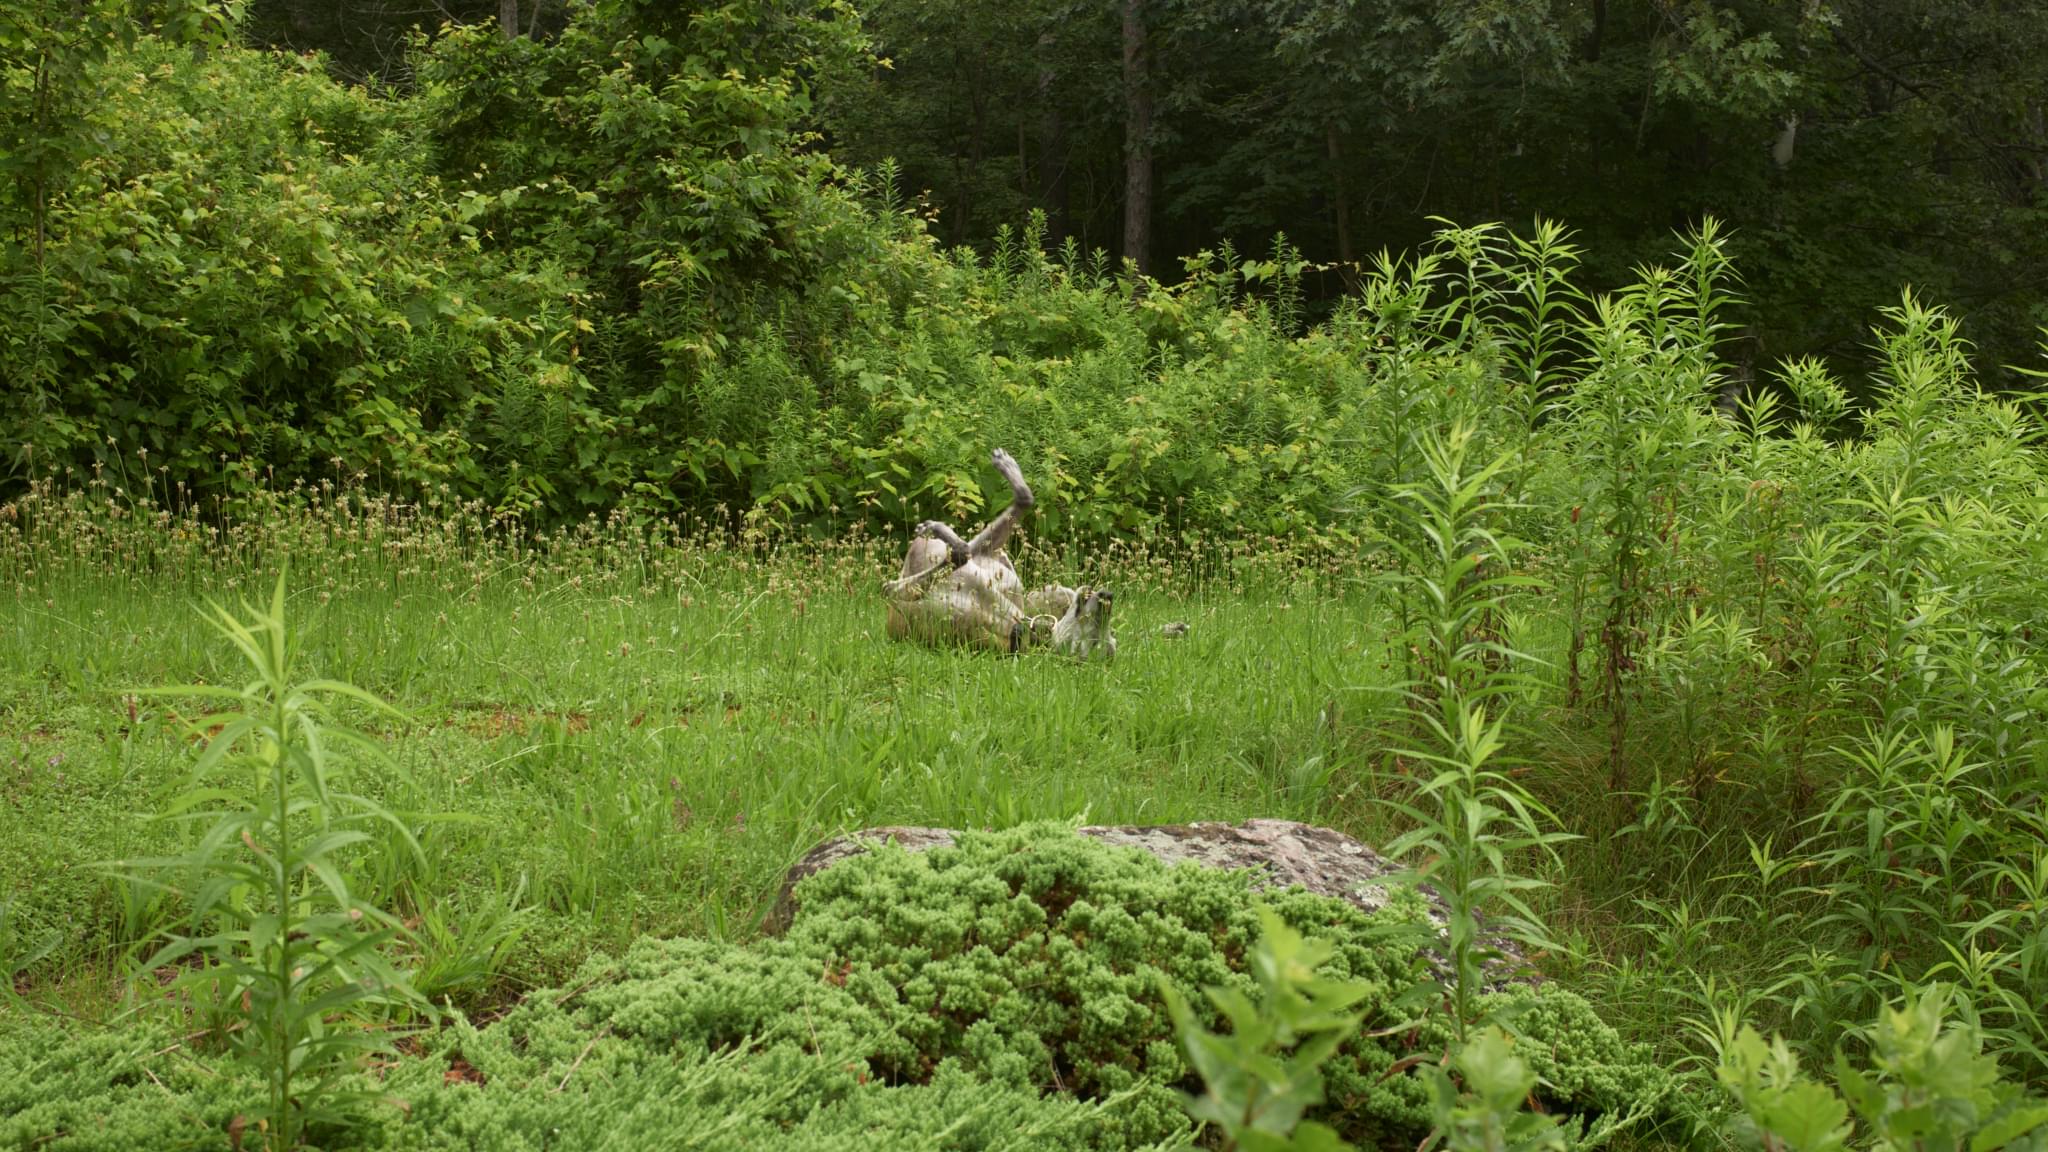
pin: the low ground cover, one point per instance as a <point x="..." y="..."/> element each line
<point x="997" y="994"/>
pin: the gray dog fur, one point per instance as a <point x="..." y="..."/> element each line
<point x="954" y="591"/>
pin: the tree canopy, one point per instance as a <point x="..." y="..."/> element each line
<point x="1851" y="145"/>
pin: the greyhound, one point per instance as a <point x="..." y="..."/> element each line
<point x="954" y="591"/>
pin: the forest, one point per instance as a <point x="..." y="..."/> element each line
<point x="1588" y="452"/>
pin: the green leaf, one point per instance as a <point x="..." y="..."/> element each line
<point x="2009" y="1127"/>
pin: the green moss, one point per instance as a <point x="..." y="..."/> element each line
<point x="999" y="992"/>
<point x="61" y="1091"/>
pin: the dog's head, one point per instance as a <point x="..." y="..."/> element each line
<point x="1084" y="630"/>
<point x="1094" y="610"/>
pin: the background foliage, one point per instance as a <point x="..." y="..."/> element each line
<point x="1851" y="144"/>
<point x="1688" y="626"/>
<point x="606" y="262"/>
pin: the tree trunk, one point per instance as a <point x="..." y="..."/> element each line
<point x="2037" y="132"/>
<point x="508" y="18"/>
<point x="1788" y="139"/>
<point x="1738" y="384"/>
<point x="1052" y="151"/>
<point x="1137" y="139"/>
<point x="1347" y="254"/>
<point x="977" y="144"/>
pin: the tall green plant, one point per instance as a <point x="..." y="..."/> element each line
<point x="1476" y="828"/>
<point x="1473" y="824"/>
<point x="1459" y="575"/>
<point x="283" y="946"/>
<point x="1638" y="429"/>
<point x="1540" y="308"/>
<point x="1926" y="378"/>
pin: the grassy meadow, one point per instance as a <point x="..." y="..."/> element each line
<point x="618" y="732"/>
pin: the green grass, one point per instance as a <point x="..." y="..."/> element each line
<point x="640" y="737"/>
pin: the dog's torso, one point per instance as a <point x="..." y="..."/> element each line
<point x="957" y="591"/>
<point x="980" y="603"/>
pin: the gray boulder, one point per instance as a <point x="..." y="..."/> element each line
<point x="1285" y="853"/>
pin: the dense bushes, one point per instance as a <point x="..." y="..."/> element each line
<point x="609" y="270"/>
<point x="1136" y="409"/>
<point x="249" y="265"/>
<point x="603" y="271"/>
<point x="258" y="270"/>
<point x="1001" y="991"/>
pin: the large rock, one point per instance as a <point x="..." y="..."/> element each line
<point x="1285" y="852"/>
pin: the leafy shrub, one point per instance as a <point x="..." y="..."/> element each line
<point x="1267" y="1072"/>
<point x="1491" y="1115"/>
<point x="1001" y="986"/>
<point x="605" y="270"/>
<point x="1930" y="1086"/>
<point x="257" y="268"/>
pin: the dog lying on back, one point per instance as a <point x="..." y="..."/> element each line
<point x="954" y="591"/>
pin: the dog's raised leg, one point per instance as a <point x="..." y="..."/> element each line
<point x="991" y="539"/>
<point x="912" y="586"/>
<point x="960" y="550"/>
